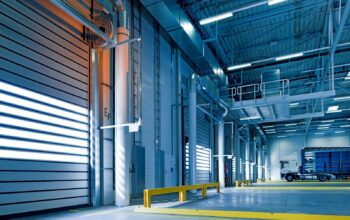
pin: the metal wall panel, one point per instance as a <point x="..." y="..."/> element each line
<point x="147" y="128"/>
<point x="44" y="121"/>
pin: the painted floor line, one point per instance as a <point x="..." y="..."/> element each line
<point x="293" y="188"/>
<point x="240" y="214"/>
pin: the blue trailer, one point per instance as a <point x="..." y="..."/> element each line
<point x="318" y="163"/>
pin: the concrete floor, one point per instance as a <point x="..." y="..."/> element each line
<point x="324" y="202"/>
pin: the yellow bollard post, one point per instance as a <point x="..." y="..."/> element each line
<point x="146" y="199"/>
<point x="237" y="183"/>
<point x="182" y="195"/>
<point x="204" y="191"/>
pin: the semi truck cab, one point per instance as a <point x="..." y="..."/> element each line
<point x="289" y="167"/>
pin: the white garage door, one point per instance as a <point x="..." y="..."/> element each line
<point x="44" y="112"/>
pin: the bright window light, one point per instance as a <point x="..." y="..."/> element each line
<point x="25" y="155"/>
<point x="289" y="56"/>
<point x="294" y="104"/>
<point x="333" y="108"/>
<point x="293" y="124"/>
<point x="272" y="2"/>
<point x="270" y="126"/>
<point x="281" y="136"/>
<point x="43" y="108"/>
<point x="42" y="127"/>
<point x="339" y="132"/>
<point x="29" y="145"/>
<point x="42" y="137"/>
<point x="241" y="66"/>
<point x="215" y="18"/>
<point x="41" y="117"/>
<point x="342" y="98"/>
<point x="327" y="121"/>
<point x="291" y="130"/>
<point x="250" y="118"/>
<point x="42" y="98"/>
<point x="344" y="126"/>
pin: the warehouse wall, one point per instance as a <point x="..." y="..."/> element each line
<point x="278" y="148"/>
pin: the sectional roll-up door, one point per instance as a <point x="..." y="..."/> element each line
<point x="202" y="149"/>
<point x="44" y="112"/>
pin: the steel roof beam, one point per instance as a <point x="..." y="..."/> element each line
<point x="268" y="14"/>
<point x="273" y="62"/>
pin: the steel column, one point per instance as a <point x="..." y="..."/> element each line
<point x="221" y="152"/>
<point x="192" y="109"/>
<point x="122" y="150"/>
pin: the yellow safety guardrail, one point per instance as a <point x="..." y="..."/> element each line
<point x="148" y="193"/>
<point x="243" y="183"/>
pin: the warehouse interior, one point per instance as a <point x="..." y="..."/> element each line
<point x="169" y="109"/>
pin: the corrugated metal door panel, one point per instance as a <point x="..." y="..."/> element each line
<point x="147" y="130"/>
<point x="203" y="148"/>
<point x="44" y="122"/>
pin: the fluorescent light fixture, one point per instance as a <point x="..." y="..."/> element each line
<point x="42" y="98"/>
<point x="289" y="56"/>
<point x="271" y="126"/>
<point x="321" y="128"/>
<point x="215" y="18"/>
<point x="344" y="126"/>
<point x="324" y="125"/>
<point x="42" y="137"/>
<point x="281" y="136"/>
<point x="339" y="132"/>
<point x="291" y="130"/>
<point x="294" y="104"/>
<point x="270" y="130"/>
<point x="272" y="2"/>
<point x="347" y="76"/>
<point x="25" y="155"/>
<point x="250" y="118"/>
<point x="293" y="124"/>
<point x="327" y="121"/>
<point x="319" y="133"/>
<point x="333" y="108"/>
<point x="334" y="111"/>
<point x="342" y="98"/>
<point x="241" y="66"/>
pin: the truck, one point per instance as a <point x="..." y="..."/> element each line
<point x="321" y="163"/>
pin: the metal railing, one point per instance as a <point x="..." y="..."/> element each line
<point x="255" y="91"/>
<point x="148" y="193"/>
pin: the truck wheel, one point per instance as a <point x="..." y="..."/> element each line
<point x="289" y="177"/>
<point x="322" y="178"/>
